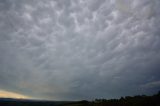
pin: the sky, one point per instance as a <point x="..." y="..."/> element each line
<point x="79" y="49"/>
<point x="8" y="94"/>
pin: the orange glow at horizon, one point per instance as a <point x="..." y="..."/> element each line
<point x="8" y="94"/>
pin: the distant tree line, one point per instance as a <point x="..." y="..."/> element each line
<point x="139" y="100"/>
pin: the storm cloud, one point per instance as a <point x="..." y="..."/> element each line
<point x="80" y="49"/>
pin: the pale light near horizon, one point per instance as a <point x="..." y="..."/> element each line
<point x="8" y="94"/>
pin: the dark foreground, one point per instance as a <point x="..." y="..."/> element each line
<point x="140" y="100"/>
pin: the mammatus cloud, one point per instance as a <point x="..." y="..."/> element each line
<point x="76" y="49"/>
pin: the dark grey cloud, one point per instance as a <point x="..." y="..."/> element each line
<point x="77" y="49"/>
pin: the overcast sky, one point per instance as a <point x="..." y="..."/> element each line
<point x="80" y="49"/>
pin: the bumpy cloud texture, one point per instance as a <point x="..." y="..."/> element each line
<point x="79" y="49"/>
